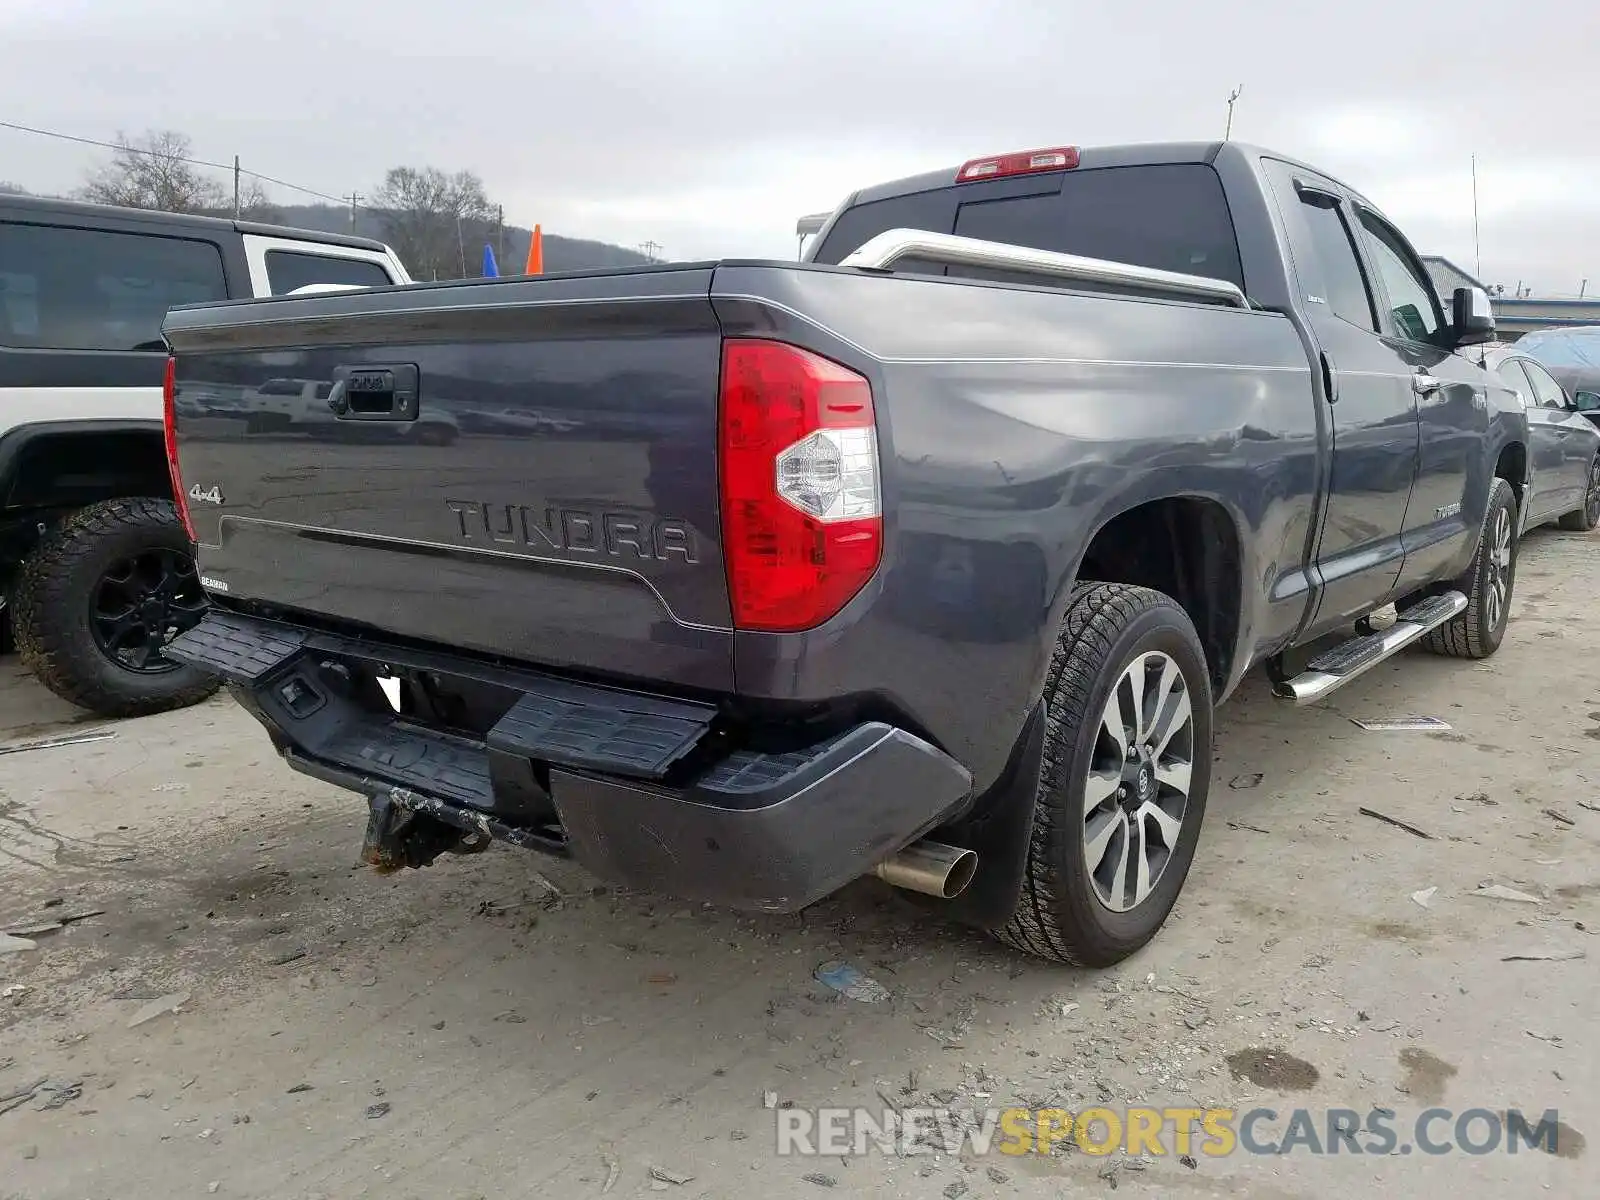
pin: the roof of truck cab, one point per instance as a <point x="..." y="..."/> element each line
<point x="155" y="219"/>
<point x="1133" y="154"/>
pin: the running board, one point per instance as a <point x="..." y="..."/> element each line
<point x="1336" y="667"/>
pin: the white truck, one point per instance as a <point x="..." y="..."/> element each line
<point x="96" y="574"/>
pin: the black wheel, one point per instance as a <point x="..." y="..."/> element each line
<point x="1479" y="630"/>
<point x="1582" y="520"/>
<point x="1122" y="789"/>
<point x="98" y="599"/>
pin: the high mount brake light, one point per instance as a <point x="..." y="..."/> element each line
<point x="802" y="515"/>
<point x="169" y="424"/>
<point x="1027" y="162"/>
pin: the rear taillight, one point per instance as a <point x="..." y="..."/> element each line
<point x="1028" y="162"/>
<point x="802" y="514"/>
<point x="169" y="422"/>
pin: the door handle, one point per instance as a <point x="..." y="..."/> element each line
<point x="376" y="393"/>
<point x="1330" y="378"/>
<point x="1425" y="384"/>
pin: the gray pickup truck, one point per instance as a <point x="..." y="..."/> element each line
<point x="927" y="558"/>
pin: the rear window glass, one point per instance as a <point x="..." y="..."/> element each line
<point x="934" y="211"/>
<point x="1170" y="216"/>
<point x="290" y="269"/>
<point x="88" y="289"/>
<point x="1564" y="348"/>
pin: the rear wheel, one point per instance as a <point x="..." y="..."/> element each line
<point x="1122" y="788"/>
<point x="100" y="597"/>
<point x="1587" y="516"/>
<point x="1479" y="630"/>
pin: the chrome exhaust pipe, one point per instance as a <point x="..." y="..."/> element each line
<point x="931" y="868"/>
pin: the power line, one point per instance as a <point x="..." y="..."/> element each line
<point x="193" y="162"/>
<point x="352" y="199"/>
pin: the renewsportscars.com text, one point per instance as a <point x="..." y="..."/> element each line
<point x="1157" y="1132"/>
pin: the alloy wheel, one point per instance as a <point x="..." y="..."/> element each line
<point x="1498" y="593"/>
<point x="140" y="604"/>
<point x="1137" y="791"/>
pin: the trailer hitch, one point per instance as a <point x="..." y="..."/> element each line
<point x="398" y="837"/>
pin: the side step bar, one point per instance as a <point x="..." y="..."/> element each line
<point x="1336" y="667"/>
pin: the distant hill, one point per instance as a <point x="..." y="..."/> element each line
<point x="560" y="253"/>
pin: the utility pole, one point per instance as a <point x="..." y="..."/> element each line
<point x="649" y="249"/>
<point x="235" y="187"/>
<point x="1583" y="287"/>
<point x="1232" y="97"/>
<point x="1477" y="252"/>
<point x="355" y="197"/>
<point x="500" y="233"/>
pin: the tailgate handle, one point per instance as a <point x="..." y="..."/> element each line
<point x="390" y="392"/>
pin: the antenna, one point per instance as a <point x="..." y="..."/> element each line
<point x="1232" y="97"/>
<point x="1477" y="252"/>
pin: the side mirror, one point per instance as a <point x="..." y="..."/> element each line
<point x="1471" y="317"/>
<point x="1586" y="402"/>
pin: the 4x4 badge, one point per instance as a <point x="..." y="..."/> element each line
<point x="211" y="495"/>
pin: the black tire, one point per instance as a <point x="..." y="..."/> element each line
<point x="1478" y="631"/>
<point x="1060" y="914"/>
<point x="1582" y="520"/>
<point x="58" y="586"/>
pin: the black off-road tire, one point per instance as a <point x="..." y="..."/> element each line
<point x="1478" y="631"/>
<point x="1586" y="517"/>
<point x="51" y="610"/>
<point x="1059" y="916"/>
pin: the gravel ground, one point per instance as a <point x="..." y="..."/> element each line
<point x="503" y="1026"/>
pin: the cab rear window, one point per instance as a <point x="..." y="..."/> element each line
<point x="1171" y="216"/>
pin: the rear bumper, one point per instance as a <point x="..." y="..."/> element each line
<point x="632" y="786"/>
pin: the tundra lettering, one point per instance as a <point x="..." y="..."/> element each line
<point x="575" y="530"/>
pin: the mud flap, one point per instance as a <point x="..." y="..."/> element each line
<point x="999" y="832"/>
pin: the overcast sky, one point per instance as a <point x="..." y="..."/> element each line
<point x="708" y="126"/>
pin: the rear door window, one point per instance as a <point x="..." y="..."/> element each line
<point x="1545" y="388"/>
<point x="1511" y="374"/>
<point x="291" y="269"/>
<point x="65" y="288"/>
<point x="1333" y="251"/>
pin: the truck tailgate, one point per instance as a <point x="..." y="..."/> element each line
<point x="525" y="468"/>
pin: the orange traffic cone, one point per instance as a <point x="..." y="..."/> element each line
<point x="535" y="253"/>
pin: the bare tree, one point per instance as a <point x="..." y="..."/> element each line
<point x="153" y="171"/>
<point x="435" y="222"/>
<point x="7" y="188"/>
<point x="254" y="203"/>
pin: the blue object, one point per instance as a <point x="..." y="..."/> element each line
<point x="490" y="270"/>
